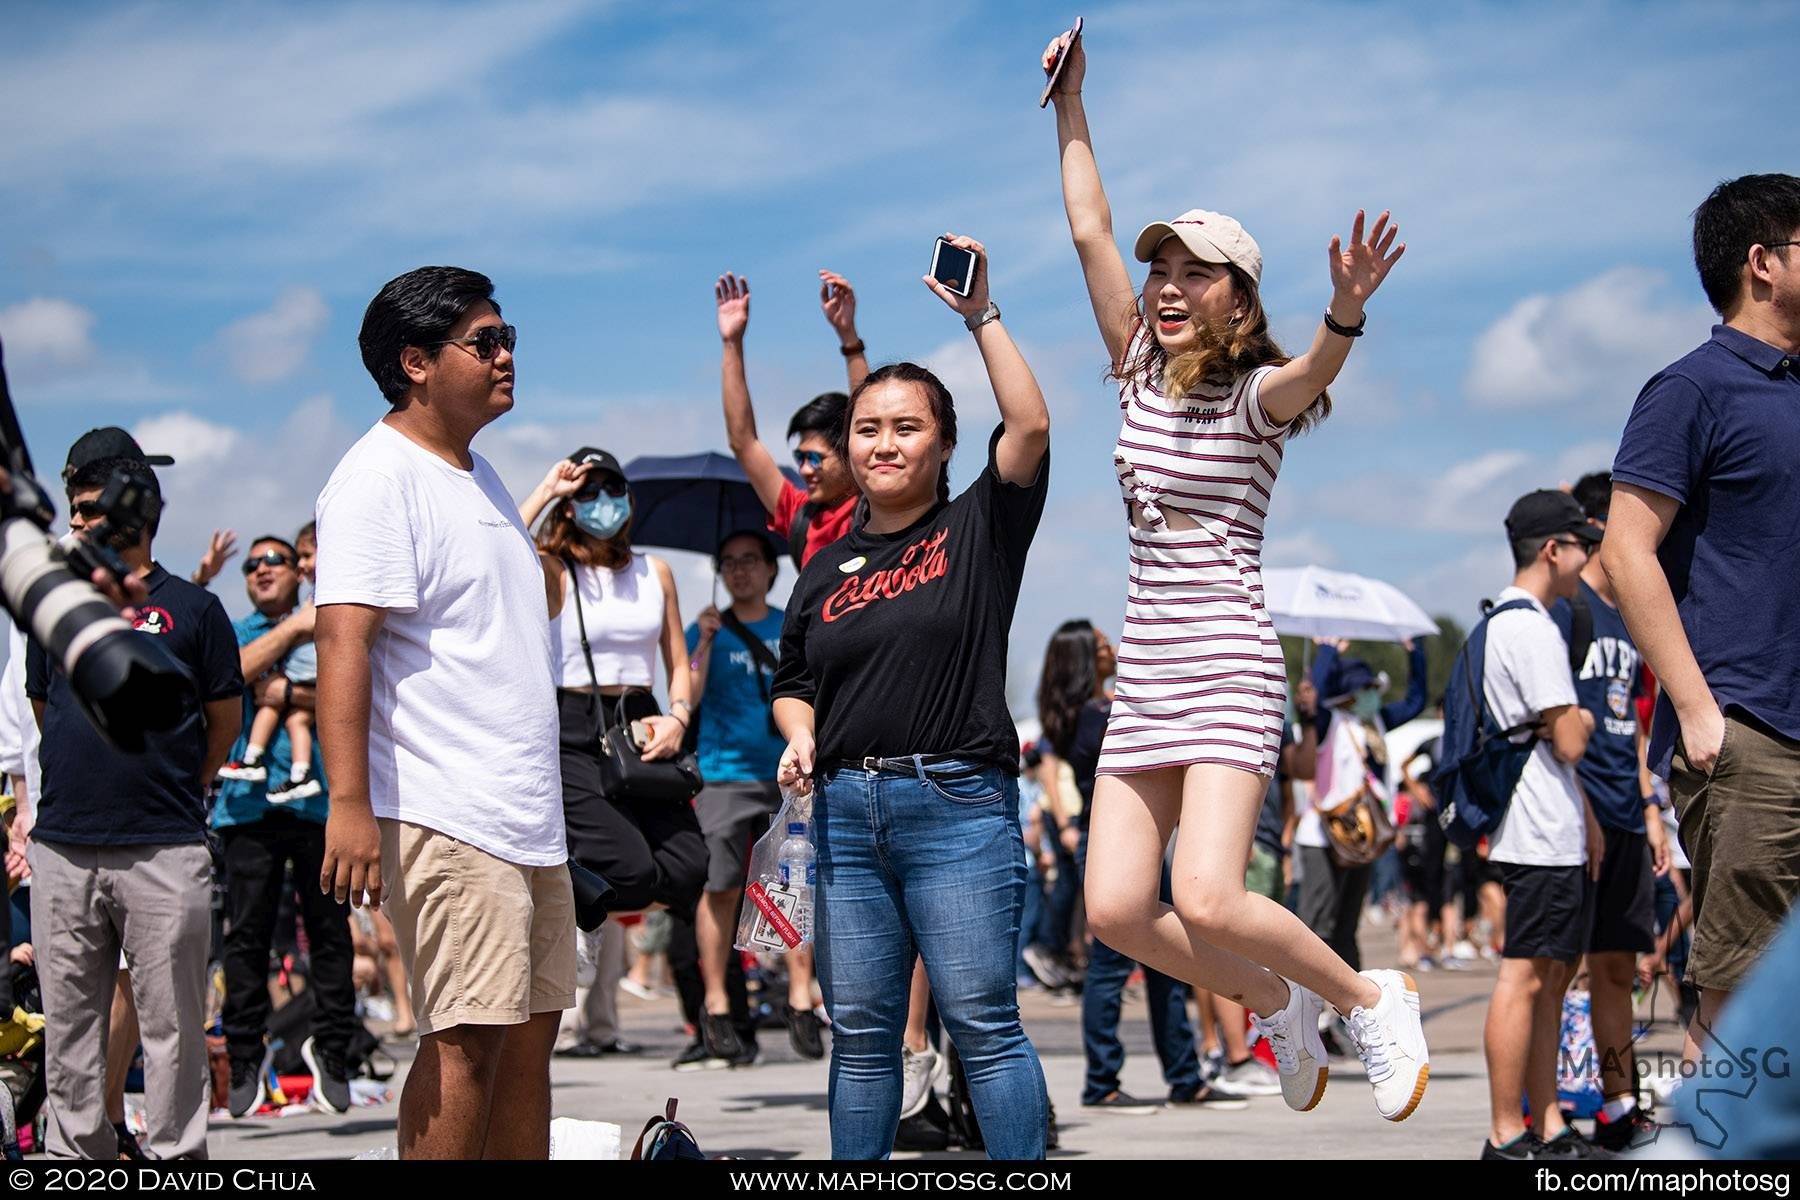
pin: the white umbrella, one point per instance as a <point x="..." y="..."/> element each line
<point x="1312" y="602"/>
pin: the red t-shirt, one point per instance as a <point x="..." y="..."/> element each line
<point x="828" y="524"/>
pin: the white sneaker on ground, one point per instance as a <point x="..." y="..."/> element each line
<point x="1252" y="1077"/>
<point x="1390" y="1040"/>
<point x="1300" y="1060"/>
<point x="917" y="1069"/>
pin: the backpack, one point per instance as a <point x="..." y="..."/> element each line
<point x="1478" y="762"/>
<point x="665" y="1139"/>
<point x="798" y="528"/>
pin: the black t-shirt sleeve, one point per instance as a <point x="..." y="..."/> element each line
<point x="37" y="670"/>
<point x="220" y="669"/>
<point x="1013" y="509"/>
<point x="793" y="680"/>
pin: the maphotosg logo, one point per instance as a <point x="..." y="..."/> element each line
<point x="1709" y="1093"/>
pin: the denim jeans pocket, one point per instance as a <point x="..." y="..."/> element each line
<point x="967" y="783"/>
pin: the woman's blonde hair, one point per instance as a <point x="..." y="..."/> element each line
<point x="1224" y="353"/>
<point x="559" y="537"/>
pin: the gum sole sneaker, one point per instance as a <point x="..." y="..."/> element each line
<point x="1390" y="1040"/>
<point x="1300" y="1060"/>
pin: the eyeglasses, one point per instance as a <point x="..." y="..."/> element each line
<point x="612" y="485"/>
<point x="488" y="341"/>
<point x="808" y="458"/>
<point x="1778" y="245"/>
<point x="88" y="510"/>
<point x="741" y="561"/>
<point x="271" y="559"/>
<point x="1577" y="544"/>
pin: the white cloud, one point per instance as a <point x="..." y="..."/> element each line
<point x="1593" y="344"/>
<point x="266" y="347"/>
<point x="1306" y="548"/>
<point x="46" y="332"/>
<point x="188" y="439"/>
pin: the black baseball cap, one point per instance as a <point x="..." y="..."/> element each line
<point x="603" y="464"/>
<point x="109" y="441"/>
<point x="1546" y="513"/>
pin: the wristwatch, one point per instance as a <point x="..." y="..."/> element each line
<point x="975" y="321"/>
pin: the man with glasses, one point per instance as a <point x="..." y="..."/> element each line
<point x="118" y="855"/>
<point x="1700" y="546"/>
<point x="733" y="655"/>
<point x="1548" y="832"/>
<point x="268" y="566"/>
<point x="810" y="519"/>
<point x="264" y="830"/>
<point x="438" y="721"/>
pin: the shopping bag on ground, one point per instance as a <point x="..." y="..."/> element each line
<point x="778" y="889"/>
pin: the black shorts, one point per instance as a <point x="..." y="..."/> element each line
<point x="1548" y="911"/>
<point x="1625" y="897"/>
<point x="1422" y="863"/>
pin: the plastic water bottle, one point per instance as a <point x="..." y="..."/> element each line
<point x="794" y="865"/>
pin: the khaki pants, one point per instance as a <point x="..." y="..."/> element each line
<point x="1740" y="827"/>
<point x="87" y="904"/>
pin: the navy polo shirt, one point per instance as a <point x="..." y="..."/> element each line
<point x="1719" y="431"/>
<point x="241" y="802"/>
<point x="94" y="795"/>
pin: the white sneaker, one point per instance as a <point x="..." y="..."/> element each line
<point x="1464" y="951"/>
<point x="917" y="1070"/>
<point x="1390" y="1040"/>
<point x="1300" y="1060"/>
<point x="1253" y="1077"/>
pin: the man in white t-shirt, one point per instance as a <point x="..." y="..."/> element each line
<point x="437" y="720"/>
<point x="1548" y="846"/>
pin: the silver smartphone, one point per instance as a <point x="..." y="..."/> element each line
<point x="953" y="267"/>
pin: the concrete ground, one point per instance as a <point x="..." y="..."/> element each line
<point x="776" y="1109"/>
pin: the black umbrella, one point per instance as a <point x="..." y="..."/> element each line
<point x="693" y="501"/>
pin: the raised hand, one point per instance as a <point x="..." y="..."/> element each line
<point x="218" y="553"/>
<point x="977" y="299"/>
<point x="1357" y="270"/>
<point x="1073" y="71"/>
<point x="838" y="301"/>
<point x="733" y="295"/>
<point x="564" y="479"/>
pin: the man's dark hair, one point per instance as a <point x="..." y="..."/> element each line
<point x="98" y="474"/>
<point x="1525" y="550"/>
<point x="416" y="309"/>
<point x="1594" y="493"/>
<point x="279" y="541"/>
<point x="1752" y="210"/>
<point x="823" y="414"/>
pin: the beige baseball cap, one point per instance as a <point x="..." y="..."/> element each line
<point x="1213" y="237"/>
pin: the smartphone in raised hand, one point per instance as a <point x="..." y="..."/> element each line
<point x="953" y="267"/>
<point x="1056" y="68"/>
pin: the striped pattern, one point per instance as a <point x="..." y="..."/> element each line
<point x="1201" y="678"/>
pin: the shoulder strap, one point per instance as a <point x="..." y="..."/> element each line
<point x="1581" y="631"/>
<point x="581" y="623"/>
<point x="1476" y="699"/>
<point x="759" y="650"/>
<point x="798" y="528"/>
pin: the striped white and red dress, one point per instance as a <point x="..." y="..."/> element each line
<point x="1201" y="677"/>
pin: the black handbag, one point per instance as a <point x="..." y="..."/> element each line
<point x="624" y="775"/>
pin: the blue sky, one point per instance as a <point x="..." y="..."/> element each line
<point x="199" y="200"/>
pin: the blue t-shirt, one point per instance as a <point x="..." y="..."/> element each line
<point x="241" y="802"/>
<point x="95" y="795"/>
<point x="1719" y="431"/>
<point x="736" y="743"/>
<point x="1608" y="685"/>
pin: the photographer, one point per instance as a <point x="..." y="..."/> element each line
<point x="118" y="854"/>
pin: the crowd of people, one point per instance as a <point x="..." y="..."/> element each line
<point x="338" y="777"/>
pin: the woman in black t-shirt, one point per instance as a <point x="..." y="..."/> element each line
<point x="892" y="695"/>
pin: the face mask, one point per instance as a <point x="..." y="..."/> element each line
<point x="604" y="515"/>
<point x="1368" y="705"/>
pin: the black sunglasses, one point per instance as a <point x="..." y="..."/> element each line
<point x="271" y="559"/>
<point x="487" y="341"/>
<point x="88" y="510"/>
<point x="609" y="483"/>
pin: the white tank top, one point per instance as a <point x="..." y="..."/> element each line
<point x="624" y="614"/>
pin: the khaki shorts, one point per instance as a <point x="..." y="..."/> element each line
<point x="485" y="941"/>
<point x="1740" y="827"/>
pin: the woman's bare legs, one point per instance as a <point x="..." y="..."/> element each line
<point x="1217" y="935"/>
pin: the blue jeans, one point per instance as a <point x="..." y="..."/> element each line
<point x="1032" y="913"/>
<point x="1057" y="917"/>
<point x="1101" y="999"/>
<point x="928" y="862"/>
